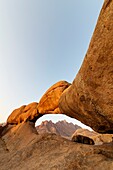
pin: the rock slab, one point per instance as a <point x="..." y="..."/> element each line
<point x="90" y="97"/>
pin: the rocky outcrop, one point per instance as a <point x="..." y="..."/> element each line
<point x="47" y="104"/>
<point x="91" y="137"/>
<point x="61" y="128"/>
<point x="21" y="147"/>
<point x="49" y="101"/>
<point x="24" y="113"/>
<point x="90" y="97"/>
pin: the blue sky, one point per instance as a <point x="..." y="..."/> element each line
<point x="41" y="42"/>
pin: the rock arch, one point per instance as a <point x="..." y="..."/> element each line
<point x="90" y="97"/>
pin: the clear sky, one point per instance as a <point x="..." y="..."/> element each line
<point x="41" y="42"/>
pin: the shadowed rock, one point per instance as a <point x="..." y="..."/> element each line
<point x="86" y="136"/>
<point x="21" y="147"/>
<point x="90" y="97"/>
<point x="83" y="139"/>
<point x="49" y="101"/>
<point x="1" y="130"/>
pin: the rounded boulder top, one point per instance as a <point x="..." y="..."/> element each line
<point x="50" y="100"/>
<point x="23" y="114"/>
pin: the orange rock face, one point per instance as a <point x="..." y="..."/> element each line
<point x="49" y="101"/>
<point x="90" y="97"/>
<point x="48" y="104"/>
<point x="23" y="114"/>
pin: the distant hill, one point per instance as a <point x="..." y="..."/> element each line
<point x="61" y="128"/>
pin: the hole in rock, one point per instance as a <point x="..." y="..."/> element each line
<point x="60" y="117"/>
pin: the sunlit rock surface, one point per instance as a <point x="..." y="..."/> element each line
<point x="49" y="101"/>
<point x="24" y="113"/>
<point x="90" y="97"/>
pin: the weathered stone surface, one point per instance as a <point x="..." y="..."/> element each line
<point x="47" y="104"/>
<point x="90" y="97"/>
<point x="49" y="101"/>
<point x="81" y="136"/>
<point x="22" y="148"/>
<point x="24" y="113"/>
<point x="13" y="116"/>
<point x="1" y="129"/>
